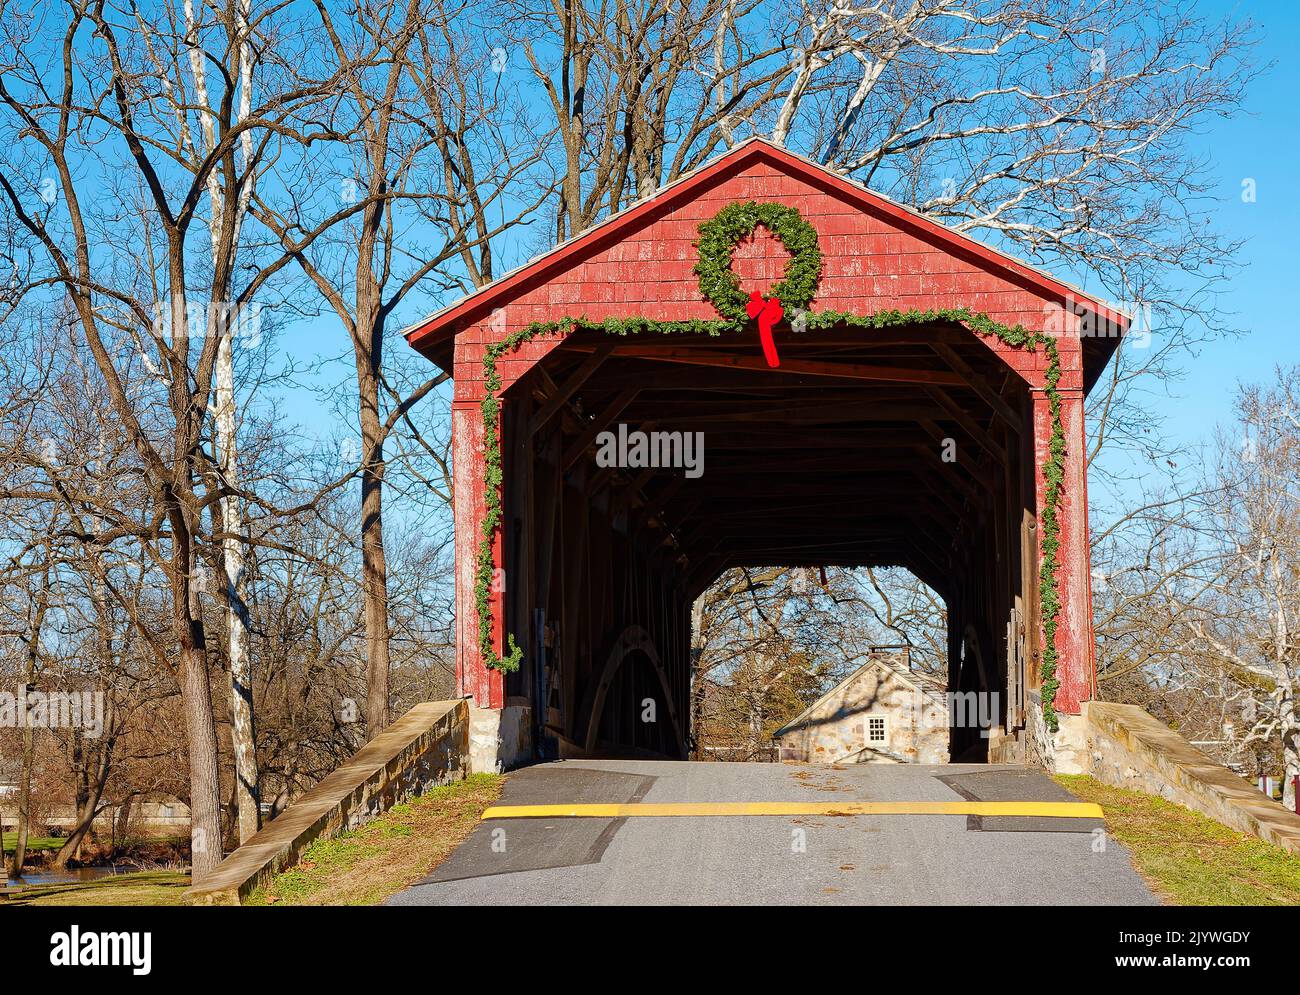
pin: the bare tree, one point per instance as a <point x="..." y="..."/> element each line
<point x="640" y="91"/>
<point x="30" y="634"/>
<point x="428" y="157"/>
<point x="1053" y="128"/>
<point x="203" y="116"/>
<point x="69" y="471"/>
<point x="1197" y="592"/>
<point x="1255" y="622"/>
<point x="113" y="111"/>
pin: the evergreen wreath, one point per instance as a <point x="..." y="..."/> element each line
<point x="719" y="237"/>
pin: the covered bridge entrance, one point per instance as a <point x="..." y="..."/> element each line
<point x="831" y="379"/>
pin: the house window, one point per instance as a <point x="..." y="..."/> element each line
<point x="877" y="730"/>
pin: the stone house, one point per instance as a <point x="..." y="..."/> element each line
<point x="883" y="712"/>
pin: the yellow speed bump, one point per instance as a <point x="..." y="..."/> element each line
<point x="1055" y="810"/>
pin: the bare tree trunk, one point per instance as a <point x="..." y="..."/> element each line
<point x="122" y="824"/>
<point x="24" y="792"/>
<point x="755" y="728"/>
<point x="224" y="225"/>
<point x="242" y="734"/>
<point x="29" y="739"/>
<point x="697" y="674"/>
<point x="92" y="772"/>
<point x="196" y="690"/>
<point x="1290" y="753"/>
<point x="374" y="565"/>
<point x="25" y="778"/>
<point x="205" y="775"/>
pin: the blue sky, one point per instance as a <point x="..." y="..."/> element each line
<point x="1261" y="143"/>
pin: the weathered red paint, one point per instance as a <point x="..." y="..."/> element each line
<point x="472" y="678"/>
<point x="1074" y="640"/>
<point x="877" y="255"/>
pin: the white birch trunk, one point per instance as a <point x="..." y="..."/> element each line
<point x="225" y="324"/>
<point x="237" y="619"/>
<point x="1290" y="756"/>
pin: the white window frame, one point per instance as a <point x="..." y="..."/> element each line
<point x="866" y="730"/>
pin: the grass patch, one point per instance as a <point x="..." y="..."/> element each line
<point x="1187" y="858"/>
<point x="34" y="843"/>
<point x="381" y="858"/>
<point x="145" y="888"/>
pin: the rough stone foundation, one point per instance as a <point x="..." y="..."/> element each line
<point x="500" y="738"/>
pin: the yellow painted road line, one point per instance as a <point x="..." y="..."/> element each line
<point x="1055" y="810"/>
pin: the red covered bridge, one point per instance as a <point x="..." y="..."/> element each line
<point x="926" y="412"/>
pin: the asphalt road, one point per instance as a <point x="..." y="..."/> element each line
<point x="805" y="860"/>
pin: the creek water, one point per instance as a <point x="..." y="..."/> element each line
<point x="35" y="876"/>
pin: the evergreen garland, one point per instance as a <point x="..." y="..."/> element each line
<point x="981" y="324"/>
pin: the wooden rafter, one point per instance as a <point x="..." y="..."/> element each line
<point x="978" y="384"/>
<point x="560" y="396"/>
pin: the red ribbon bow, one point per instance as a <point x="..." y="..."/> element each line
<point x="768" y="312"/>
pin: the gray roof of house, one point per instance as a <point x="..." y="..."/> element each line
<point x="925" y="682"/>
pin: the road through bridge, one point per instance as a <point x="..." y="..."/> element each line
<point x="908" y="857"/>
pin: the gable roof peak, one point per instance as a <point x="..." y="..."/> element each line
<point x="921" y="681"/>
<point x="432" y="335"/>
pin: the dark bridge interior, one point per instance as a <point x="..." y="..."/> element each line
<point x="906" y="447"/>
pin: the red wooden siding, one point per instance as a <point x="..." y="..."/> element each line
<point x="870" y="265"/>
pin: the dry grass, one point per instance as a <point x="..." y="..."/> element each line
<point x="1187" y="858"/>
<point x="383" y="857"/>
<point x="145" y="888"/>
